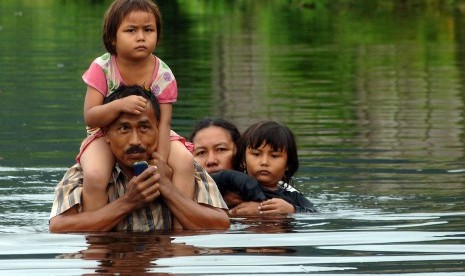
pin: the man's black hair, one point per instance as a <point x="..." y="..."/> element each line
<point x="124" y="91"/>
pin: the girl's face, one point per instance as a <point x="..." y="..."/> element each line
<point x="214" y="149"/>
<point x="266" y="165"/>
<point x="136" y="36"/>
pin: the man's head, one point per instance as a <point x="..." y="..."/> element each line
<point x="133" y="137"/>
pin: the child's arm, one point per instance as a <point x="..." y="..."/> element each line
<point x="97" y="114"/>
<point x="267" y="207"/>
<point x="276" y="206"/>
<point x="164" y="128"/>
<point x="283" y="199"/>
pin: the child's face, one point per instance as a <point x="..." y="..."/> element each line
<point x="136" y="37"/>
<point x="266" y="165"/>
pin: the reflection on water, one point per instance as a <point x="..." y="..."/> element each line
<point x="302" y="244"/>
<point x="354" y="234"/>
<point x="375" y="98"/>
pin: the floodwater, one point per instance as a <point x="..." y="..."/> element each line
<point x="375" y="96"/>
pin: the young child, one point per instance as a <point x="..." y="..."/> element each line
<point x="131" y="32"/>
<point x="267" y="152"/>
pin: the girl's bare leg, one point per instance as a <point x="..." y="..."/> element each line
<point x="97" y="164"/>
<point x="181" y="161"/>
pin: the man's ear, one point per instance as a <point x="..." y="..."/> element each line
<point x="105" y="135"/>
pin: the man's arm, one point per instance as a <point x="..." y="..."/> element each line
<point x="140" y="191"/>
<point x="190" y="214"/>
<point x="103" y="219"/>
<point x="193" y="215"/>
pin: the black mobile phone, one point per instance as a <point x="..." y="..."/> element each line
<point x="139" y="167"/>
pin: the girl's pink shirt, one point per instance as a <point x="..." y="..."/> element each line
<point x="104" y="72"/>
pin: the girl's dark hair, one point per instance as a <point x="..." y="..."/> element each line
<point x="278" y="136"/>
<point x="218" y="122"/>
<point x="116" y="13"/>
<point x="125" y="91"/>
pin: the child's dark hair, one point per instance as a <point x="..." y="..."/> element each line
<point x="278" y="136"/>
<point x="125" y="91"/>
<point x="218" y="122"/>
<point x="116" y="13"/>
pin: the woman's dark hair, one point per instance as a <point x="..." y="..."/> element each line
<point x="124" y="91"/>
<point x="217" y="122"/>
<point x="277" y="136"/>
<point x="116" y="13"/>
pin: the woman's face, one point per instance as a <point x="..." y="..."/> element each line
<point x="214" y="149"/>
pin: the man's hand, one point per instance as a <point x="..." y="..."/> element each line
<point x="143" y="188"/>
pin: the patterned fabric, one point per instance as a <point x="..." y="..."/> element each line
<point x="154" y="216"/>
<point x="104" y="76"/>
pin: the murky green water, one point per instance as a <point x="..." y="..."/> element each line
<point x="374" y="95"/>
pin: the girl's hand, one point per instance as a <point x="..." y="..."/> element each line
<point x="276" y="206"/>
<point x="246" y="208"/>
<point x="163" y="168"/>
<point x="133" y="104"/>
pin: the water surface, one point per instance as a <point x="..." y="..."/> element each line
<point x="374" y="95"/>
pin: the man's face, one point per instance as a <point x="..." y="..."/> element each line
<point x="133" y="137"/>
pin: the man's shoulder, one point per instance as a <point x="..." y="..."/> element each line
<point x="73" y="172"/>
<point x="206" y="190"/>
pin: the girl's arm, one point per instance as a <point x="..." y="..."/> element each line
<point x="97" y="114"/>
<point x="164" y="128"/>
<point x="270" y="206"/>
<point x="292" y="198"/>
